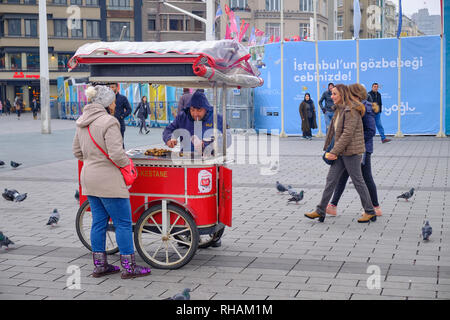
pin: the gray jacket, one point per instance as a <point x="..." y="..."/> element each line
<point x="328" y="102"/>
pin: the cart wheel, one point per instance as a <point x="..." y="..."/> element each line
<point x="83" y="224"/>
<point x="155" y="237"/>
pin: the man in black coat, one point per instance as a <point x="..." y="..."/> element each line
<point x="375" y="96"/>
<point x="123" y="108"/>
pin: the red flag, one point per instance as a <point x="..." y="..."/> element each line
<point x="277" y="39"/>
<point x="271" y="39"/>
<point x="227" y="32"/>
<point x="243" y="30"/>
<point x="287" y="39"/>
<point x="232" y="19"/>
<point x="258" y="32"/>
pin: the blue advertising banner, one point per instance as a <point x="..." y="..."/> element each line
<point x="337" y="64"/>
<point x="267" y="98"/>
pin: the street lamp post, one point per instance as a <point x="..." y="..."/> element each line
<point x="44" y="73"/>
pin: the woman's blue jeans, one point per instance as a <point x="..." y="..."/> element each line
<point x="119" y="210"/>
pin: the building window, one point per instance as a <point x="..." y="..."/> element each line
<point x="2" y="60"/>
<point x="324" y="8"/>
<point x="198" y="26"/>
<point x="76" y="2"/>
<point x="92" y="3"/>
<point x="30" y="28"/>
<point x="239" y="5"/>
<point x="62" y="2"/>
<point x="119" y="4"/>
<point x="339" y="35"/>
<point x="92" y="29"/>
<point x="340" y="3"/>
<point x="306" y="5"/>
<point x="13" y="1"/>
<point x="273" y="29"/>
<point x="14" y="28"/>
<point x="33" y="61"/>
<point x="28" y="1"/>
<point x="63" y="59"/>
<point x="176" y="23"/>
<point x="60" y="28"/>
<point x="151" y="22"/>
<point x="116" y="29"/>
<point x="77" y="32"/>
<point x="304" y="30"/>
<point x="340" y="20"/>
<point x="15" y="60"/>
<point x="273" y="5"/>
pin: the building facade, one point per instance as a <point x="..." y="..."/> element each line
<point x="163" y="23"/>
<point x="428" y="24"/>
<point x="265" y="15"/>
<point x="70" y="24"/>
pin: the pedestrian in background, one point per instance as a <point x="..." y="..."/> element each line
<point x="184" y="100"/>
<point x="143" y="110"/>
<point x="346" y="130"/>
<point x="1" y="108"/>
<point x="359" y="94"/>
<point x="327" y="109"/>
<point x="123" y="108"/>
<point x="18" y="104"/>
<point x="34" y="107"/>
<point x="103" y="182"/>
<point x="308" y="115"/>
<point x="8" y="107"/>
<point x="375" y="96"/>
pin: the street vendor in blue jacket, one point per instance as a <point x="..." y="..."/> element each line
<point x="195" y="123"/>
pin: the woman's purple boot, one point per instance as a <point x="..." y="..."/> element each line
<point x="102" y="268"/>
<point x="131" y="269"/>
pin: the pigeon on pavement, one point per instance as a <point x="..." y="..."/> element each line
<point x="54" y="218"/>
<point x="5" y="242"/>
<point x="280" y="187"/>
<point x="14" y="195"/>
<point x="181" y="296"/>
<point x="426" y="231"/>
<point x="77" y="195"/>
<point x="296" y="197"/>
<point x="15" y="164"/>
<point x="406" y="195"/>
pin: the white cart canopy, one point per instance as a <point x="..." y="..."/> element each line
<point x="175" y="63"/>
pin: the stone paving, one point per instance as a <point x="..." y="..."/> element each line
<point x="271" y="252"/>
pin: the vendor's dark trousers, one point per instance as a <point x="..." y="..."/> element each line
<point x="353" y="166"/>
<point x="366" y="169"/>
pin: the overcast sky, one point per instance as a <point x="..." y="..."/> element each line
<point x="412" y="6"/>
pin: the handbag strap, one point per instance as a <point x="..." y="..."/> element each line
<point x="107" y="156"/>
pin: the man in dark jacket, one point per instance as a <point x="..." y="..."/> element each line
<point x="197" y="119"/>
<point x="375" y="96"/>
<point x="34" y="107"/>
<point x="123" y="108"/>
<point x="327" y="108"/>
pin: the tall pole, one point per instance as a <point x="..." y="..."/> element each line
<point x="210" y="7"/>
<point x="319" y="134"/>
<point x="441" y="133"/>
<point x="44" y="73"/>
<point x="399" y="133"/>
<point x="282" y="133"/>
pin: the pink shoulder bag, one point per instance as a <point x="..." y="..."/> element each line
<point x="129" y="172"/>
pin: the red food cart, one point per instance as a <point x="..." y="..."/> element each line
<point x="179" y="201"/>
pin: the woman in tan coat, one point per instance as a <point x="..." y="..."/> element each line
<point x="347" y="134"/>
<point x="103" y="182"/>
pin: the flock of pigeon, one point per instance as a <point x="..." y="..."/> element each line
<point x="15" y="196"/>
<point x="298" y="196"/>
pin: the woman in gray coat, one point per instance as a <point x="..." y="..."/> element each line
<point x="103" y="182"/>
